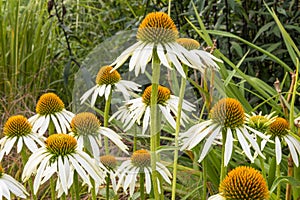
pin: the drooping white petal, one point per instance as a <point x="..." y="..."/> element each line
<point x="39" y="174"/>
<point x="123" y="57"/>
<point x="62" y="174"/>
<point x="56" y="124"/>
<point x="162" y="57"/>
<point x="252" y="142"/>
<point x="88" y="93"/>
<point x="44" y="126"/>
<point x="147" y="180"/>
<point x="278" y="150"/>
<point x="292" y="151"/>
<point x="114" y="137"/>
<point x="245" y="146"/>
<point x="208" y="143"/>
<point x="228" y="146"/>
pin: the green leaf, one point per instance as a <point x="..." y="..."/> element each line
<point x="284" y="179"/>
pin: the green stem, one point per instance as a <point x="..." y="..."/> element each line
<point x="107" y="185"/>
<point x="93" y="191"/>
<point x="204" y="166"/>
<point x="153" y="121"/>
<point x="142" y="185"/>
<point x="223" y="167"/>
<point x="278" y="186"/>
<point x="106" y="118"/>
<point x="134" y="139"/>
<point x="52" y="187"/>
<point x="76" y="186"/>
<point x="177" y="129"/>
<point x="51" y="129"/>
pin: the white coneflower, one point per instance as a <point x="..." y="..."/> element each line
<point x="157" y="34"/>
<point x="243" y="183"/>
<point x="106" y="81"/>
<point x="226" y="115"/>
<point x="204" y="58"/>
<point x="61" y="156"/>
<point x="51" y="108"/>
<point x="140" y="162"/>
<point x="85" y="127"/>
<point x="9" y="185"/>
<point x="279" y="132"/>
<point x="138" y="109"/>
<point x="18" y="130"/>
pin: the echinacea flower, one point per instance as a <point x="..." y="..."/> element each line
<point x="136" y="109"/>
<point x="110" y="163"/>
<point x="243" y="183"/>
<point x="140" y="162"/>
<point x="227" y="115"/>
<point x="50" y="108"/>
<point x="157" y="36"/>
<point x="204" y="58"/>
<point x="260" y="122"/>
<point x="61" y="156"/>
<point x="9" y="185"/>
<point x="106" y="81"/>
<point x="18" y="130"/>
<point x="279" y="132"/>
<point x="87" y="129"/>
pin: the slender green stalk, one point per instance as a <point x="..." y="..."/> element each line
<point x="93" y="191"/>
<point x="76" y="186"/>
<point x="142" y="186"/>
<point x="204" y="167"/>
<point x="278" y="186"/>
<point x="153" y="121"/>
<point x="177" y="129"/>
<point x="52" y="182"/>
<point x="134" y="139"/>
<point x="106" y="118"/>
<point x="52" y="187"/>
<point x="24" y="160"/>
<point x="107" y="185"/>
<point x="223" y="167"/>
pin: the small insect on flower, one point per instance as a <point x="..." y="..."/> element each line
<point x="61" y="156"/>
<point x="50" y="108"/>
<point x="157" y="35"/>
<point x="226" y="115"/>
<point x="136" y="109"/>
<point x="106" y="82"/>
<point x="18" y="130"/>
<point x="140" y="162"/>
<point x="243" y="183"/>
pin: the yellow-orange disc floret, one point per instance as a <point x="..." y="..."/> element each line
<point x="61" y="144"/>
<point x="157" y="27"/>
<point x="141" y="158"/>
<point x="85" y="123"/>
<point x="17" y="126"/>
<point x="105" y="77"/>
<point x="279" y="127"/>
<point x="228" y="112"/>
<point x="162" y="96"/>
<point x="49" y="103"/>
<point x="244" y="183"/>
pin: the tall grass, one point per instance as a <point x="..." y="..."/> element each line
<point x="25" y="54"/>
